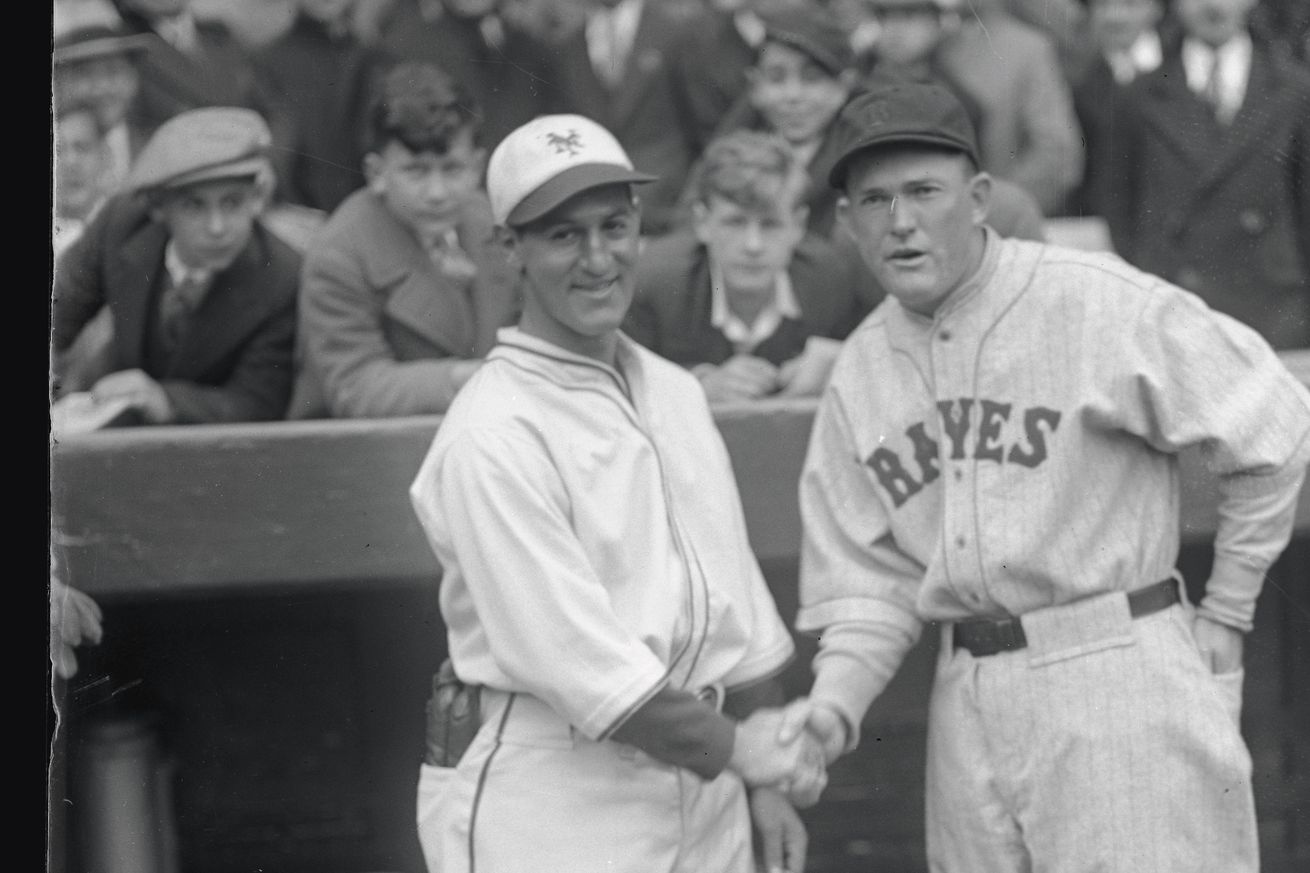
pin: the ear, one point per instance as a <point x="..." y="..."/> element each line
<point x="980" y="192"/>
<point x="844" y="217"/>
<point x="700" y="221"/>
<point x="373" y="173"/>
<point x="509" y="241"/>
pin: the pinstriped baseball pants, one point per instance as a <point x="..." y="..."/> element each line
<point x="532" y="796"/>
<point x="1105" y="746"/>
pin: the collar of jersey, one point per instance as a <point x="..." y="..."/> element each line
<point x="557" y="363"/>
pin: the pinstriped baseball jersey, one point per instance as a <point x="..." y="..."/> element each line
<point x="1018" y="450"/>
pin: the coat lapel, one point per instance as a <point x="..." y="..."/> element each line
<point x="138" y="266"/>
<point x="234" y="305"/>
<point x="1181" y="118"/>
<point x="1261" y="109"/>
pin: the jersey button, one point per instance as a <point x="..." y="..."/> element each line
<point x="959" y="475"/>
<point x="960" y="542"/>
<point x="944" y="335"/>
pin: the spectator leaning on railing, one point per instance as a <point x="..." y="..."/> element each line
<point x="404" y="288"/>
<point x="201" y="296"/>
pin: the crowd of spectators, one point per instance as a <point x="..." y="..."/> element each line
<point x="306" y="176"/>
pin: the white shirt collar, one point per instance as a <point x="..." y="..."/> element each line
<point x="743" y="336"/>
<point x="1234" y="69"/>
<point x="179" y="272"/>
<point x="624" y="18"/>
<point x="1143" y="56"/>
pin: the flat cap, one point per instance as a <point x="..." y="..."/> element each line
<point x="97" y="41"/>
<point x="201" y="145"/>
<point x="901" y="112"/>
<point x="814" y="32"/>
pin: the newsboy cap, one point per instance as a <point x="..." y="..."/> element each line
<point x="201" y="145"/>
<point x="815" y="33"/>
<point x="97" y="41"/>
<point x="901" y="112"/>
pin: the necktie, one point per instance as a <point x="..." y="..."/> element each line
<point x="1212" y="93"/>
<point x="180" y="300"/>
<point x="451" y="260"/>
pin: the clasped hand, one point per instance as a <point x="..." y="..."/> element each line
<point x="796" y="766"/>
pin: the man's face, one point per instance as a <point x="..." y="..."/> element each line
<point x="750" y="246"/>
<point x="915" y="215"/>
<point x="580" y="266"/>
<point x="108" y="83"/>
<point x="211" y="222"/>
<point x="1214" y="22"/>
<point x="423" y="190"/>
<point x="797" y="97"/>
<point x="1116" y="24"/>
<point x="80" y="161"/>
<point x="908" y="30"/>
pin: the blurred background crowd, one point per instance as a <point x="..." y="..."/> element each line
<point x="351" y="271"/>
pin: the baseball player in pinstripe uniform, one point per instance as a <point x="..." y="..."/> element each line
<point x="997" y="452"/>
<point x="598" y="585"/>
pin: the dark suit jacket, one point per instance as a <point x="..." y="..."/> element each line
<point x="671" y="312"/>
<point x="324" y="85"/>
<point x="234" y="363"/>
<point x="646" y="113"/>
<point x="511" y="84"/>
<point x="380" y="326"/>
<point x="1222" y="210"/>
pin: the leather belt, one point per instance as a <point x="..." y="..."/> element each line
<point x="991" y="636"/>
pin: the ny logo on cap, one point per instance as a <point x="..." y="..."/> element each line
<point x="572" y="143"/>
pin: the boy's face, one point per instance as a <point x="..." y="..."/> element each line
<point x="797" y="97"/>
<point x="425" y="191"/>
<point x="915" y="214"/>
<point x="80" y="161"/>
<point x="580" y="266"/>
<point x="1116" y="24"/>
<point x="1213" y="22"/>
<point x="908" y="30"/>
<point x="211" y="222"/>
<point x="750" y="246"/>
<point x="109" y="83"/>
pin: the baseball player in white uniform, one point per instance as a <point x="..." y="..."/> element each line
<point x="598" y="585"/>
<point x="997" y="452"/>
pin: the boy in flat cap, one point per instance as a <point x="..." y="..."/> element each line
<point x="201" y="297"/>
<point x="997" y="452"/>
<point x="597" y="583"/>
<point x="404" y="288"/>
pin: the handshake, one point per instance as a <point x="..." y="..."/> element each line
<point x="789" y="749"/>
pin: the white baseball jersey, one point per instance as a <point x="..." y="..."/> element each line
<point x="1018" y="450"/>
<point x="591" y="536"/>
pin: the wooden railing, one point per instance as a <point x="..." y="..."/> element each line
<point x="313" y="503"/>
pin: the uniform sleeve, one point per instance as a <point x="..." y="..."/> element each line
<point x="1208" y="382"/>
<point x="544" y="612"/>
<point x="857" y="588"/>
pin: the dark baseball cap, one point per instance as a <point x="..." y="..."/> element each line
<point x="901" y="112"/>
<point x="815" y="33"/>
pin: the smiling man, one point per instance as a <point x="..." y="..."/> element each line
<point x="404" y="288"/>
<point x="202" y="297"/>
<point x="601" y="599"/>
<point x="997" y="452"/>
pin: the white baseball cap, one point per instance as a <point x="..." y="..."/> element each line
<point x="546" y="161"/>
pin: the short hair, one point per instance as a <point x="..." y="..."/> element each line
<point x="423" y="108"/>
<point x="751" y="169"/>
